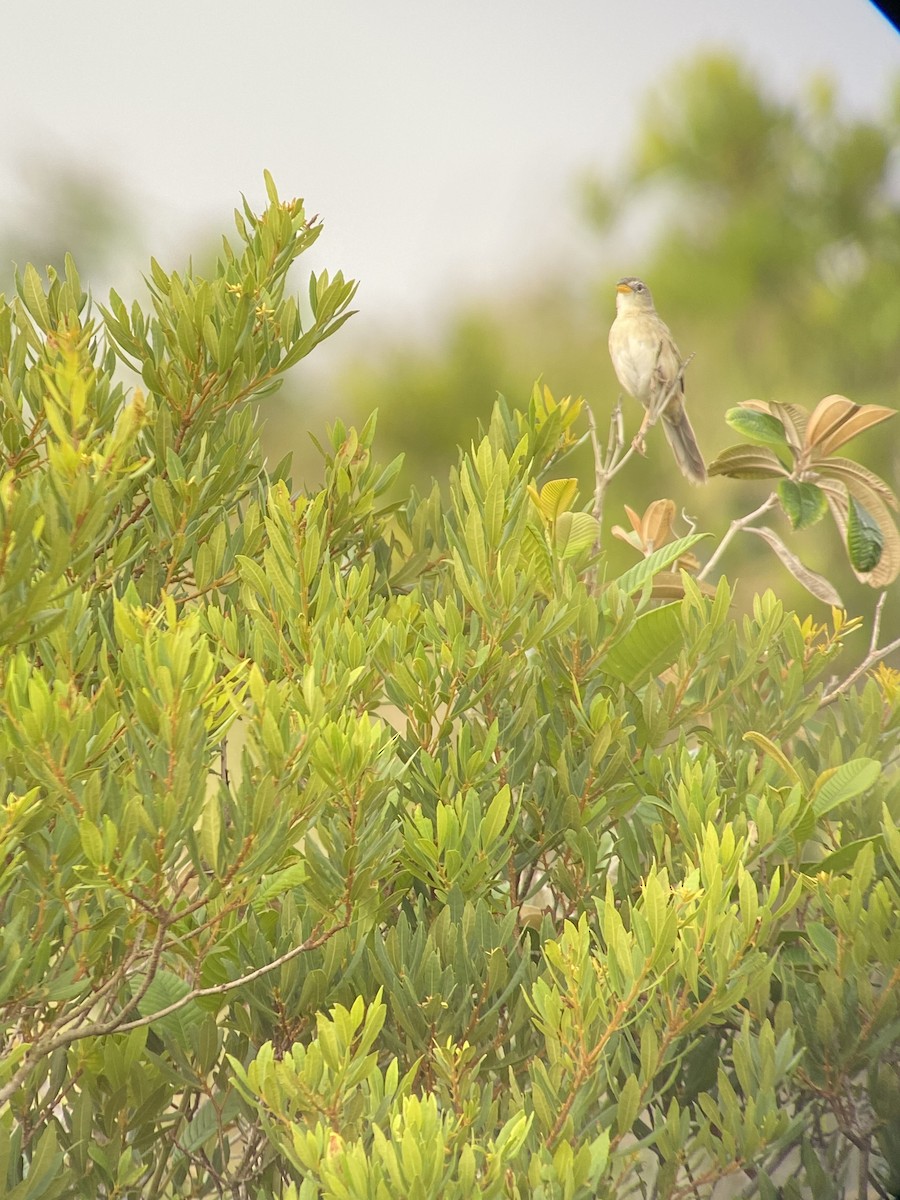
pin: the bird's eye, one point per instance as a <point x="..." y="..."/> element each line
<point x="638" y="287"/>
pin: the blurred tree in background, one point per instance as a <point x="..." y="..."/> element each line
<point x="775" y="258"/>
<point x="69" y="204"/>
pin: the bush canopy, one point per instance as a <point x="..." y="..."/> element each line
<point x="363" y="848"/>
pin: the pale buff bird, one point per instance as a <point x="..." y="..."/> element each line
<point x="647" y="362"/>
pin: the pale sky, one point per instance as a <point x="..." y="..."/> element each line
<point x="439" y="141"/>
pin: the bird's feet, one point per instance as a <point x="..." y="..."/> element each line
<point x="637" y="443"/>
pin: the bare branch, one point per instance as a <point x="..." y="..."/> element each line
<point x="117" y="1024"/>
<point x="735" y="527"/>
<point x="874" y="656"/>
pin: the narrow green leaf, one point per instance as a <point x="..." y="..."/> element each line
<point x="91" y="841"/>
<point x="32" y="292"/>
<point x="823" y="940"/>
<point x="271" y="190"/>
<point x="635" y="579"/>
<point x="629" y="1103"/>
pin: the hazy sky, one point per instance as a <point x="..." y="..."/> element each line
<point x="439" y="141"/>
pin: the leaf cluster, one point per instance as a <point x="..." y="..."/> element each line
<point x="797" y="449"/>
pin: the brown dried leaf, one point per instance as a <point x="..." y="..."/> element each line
<point x="817" y="584"/>
<point x="835" y="420"/>
<point x="794" y="419"/>
<point x="656" y="527"/>
<point x="748" y="462"/>
<point x="668" y="585"/>
<point x="627" y="535"/>
<point x="859" y="480"/>
<point x="636" y="523"/>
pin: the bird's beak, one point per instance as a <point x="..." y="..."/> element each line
<point x="624" y="287"/>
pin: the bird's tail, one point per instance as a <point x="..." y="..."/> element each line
<point x="684" y="446"/>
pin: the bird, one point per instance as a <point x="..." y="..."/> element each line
<point x="648" y="365"/>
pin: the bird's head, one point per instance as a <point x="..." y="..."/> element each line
<point x="633" y="294"/>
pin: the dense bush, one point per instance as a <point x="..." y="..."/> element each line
<point x="363" y="849"/>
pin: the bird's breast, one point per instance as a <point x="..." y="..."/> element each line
<point x="634" y="357"/>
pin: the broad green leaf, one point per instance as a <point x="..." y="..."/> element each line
<point x="652" y="643"/>
<point x="865" y="541"/>
<point x="843" y="783"/>
<point x="557" y="496"/>
<point x="208" y="1120"/>
<point x="164" y="991"/>
<point x="840" y="861"/>
<point x="888" y="566"/>
<point x="575" y="533"/>
<point x="759" y="427"/>
<point x="804" y="503"/>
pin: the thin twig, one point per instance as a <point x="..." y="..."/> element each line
<point x="735" y="527"/>
<point x="116" y="1025"/>
<point x="599" y="477"/>
<point x="874" y="656"/>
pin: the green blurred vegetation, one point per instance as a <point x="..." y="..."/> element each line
<point x="775" y="258"/>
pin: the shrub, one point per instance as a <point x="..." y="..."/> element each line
<point x="354" y="848"/>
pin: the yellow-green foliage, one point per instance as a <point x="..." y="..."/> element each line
<point x="353" y="848"/>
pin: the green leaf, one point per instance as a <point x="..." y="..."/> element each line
<point x="208" y="1120"/>
<point x="774" y="752"/>
<point x="804" y="503"/>
<point x="575" y="533"/>
<point x="629" y="1104"/>
<point x="271" y="190"/>
<point x="840" y="861"/>
<point x="556" y="497"/>
<point x="865" y="541"/>
<point x="635" y="579"/>
<point x="759" y="427"/>
<point x="43" y="1181"/>
<point x="495" y="818"/>
<point x="32" y="292"/>
<point x="651" y="644"/>
<point x="823" y="940"/>
<point x="843" y="783"/>
<point x="91" y="841"/>
<point x="165" y="990"/>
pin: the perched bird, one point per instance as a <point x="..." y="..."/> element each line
<point x="646" y="361"/>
